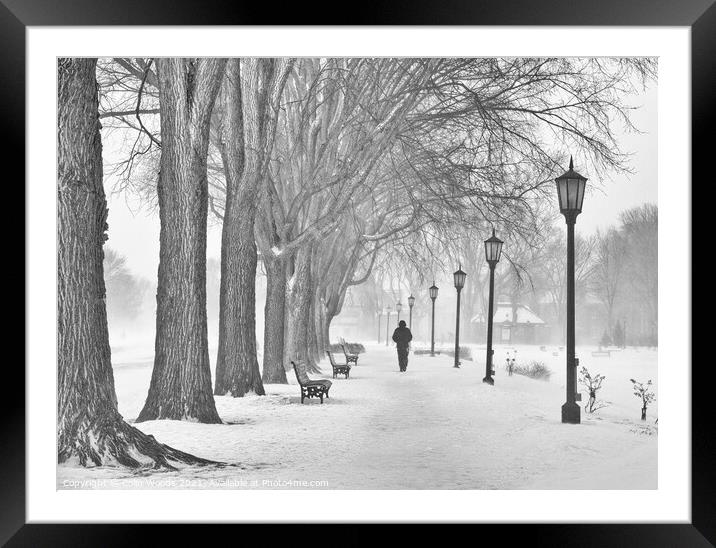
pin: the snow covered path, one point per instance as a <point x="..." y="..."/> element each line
<point x="433" y="427"/>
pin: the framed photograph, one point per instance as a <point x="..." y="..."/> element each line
<point x="402" y="269"/>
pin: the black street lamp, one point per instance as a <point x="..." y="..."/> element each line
<point x="493" y="250"/>
<point x="624" y="333"/>
<point x="570" y="192"/>
<point x="379" y="313"/>
<point x="433" y="290"/>
<point x="411" y="304"/>
<point x="398" y="307"/>
<point x="387" y="324"/>
<point x="459" y="277"/>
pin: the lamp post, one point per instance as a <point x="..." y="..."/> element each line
<point x="433" y="290"/>
<point x="398" y="307"/>
<point x="624" y="331"/>
<point x="379" y="313"/>
<point x="493" y="250"/>
<point x="411" y="304"/>
<point x="459" y="278"/>
<point x="387" y="324"/>
<point x="570" y="192"/>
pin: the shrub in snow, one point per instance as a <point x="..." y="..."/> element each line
<point x="510" y="363"/>
<point x="606" y="340"/>
<point x="465" y="353"/>
<point x="534" y="370"/>
<point x="422" y="351"/>
<point x="353" y="348"/>
<point x="592" y="384"/>
<point x="643" y="391"/>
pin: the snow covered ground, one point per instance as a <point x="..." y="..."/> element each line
<point x="434" y="427"/>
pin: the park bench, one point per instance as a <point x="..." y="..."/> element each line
<point x="339" y="368"/>
<point x="350" y="358"/>
<point x="602" y="353"/>
<point x="310" y="388"/>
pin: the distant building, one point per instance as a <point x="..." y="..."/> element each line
<point x="514" y="324"/>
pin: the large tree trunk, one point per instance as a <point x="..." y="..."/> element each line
<point x="298" y="301"/>
<point x="274" y="321"/>
<point x="326" y="329"/>
<point x="237" y="368"/>
<point x="181" y="380"/>
<point x="325" y="323"/>
<point x="90" y="429"/>
<point x="311" y="331"/>
<point x="319" y="327"/>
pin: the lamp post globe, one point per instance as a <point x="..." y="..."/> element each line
<point x="459" y="279"/>
<point x="433" y="292"/>
<point x="398" y="308"/>
<point x="493" y="251"/>
<point x="570" y="194"/>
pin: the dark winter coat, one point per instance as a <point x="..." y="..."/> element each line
<point x="402" y="337"/>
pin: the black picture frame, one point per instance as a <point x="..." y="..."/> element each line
<point x="699" y="15"/>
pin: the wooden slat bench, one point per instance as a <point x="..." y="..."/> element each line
<point x="350" y="358"/>
<point x="339" y="368"/>
<point x="310" y="388"/>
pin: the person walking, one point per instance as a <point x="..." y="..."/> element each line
<point x="402" y="337"/>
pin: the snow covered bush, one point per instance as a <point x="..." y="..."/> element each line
<point x="643" y="391"/>
<point x="592" y="384"/>
<point x="465" y="353"/>
<point x="510" y="363"/>
<point x="355" y="348"/>
<point x="534" y="370"/>
<point x="352" y="348"/>
<point x="422" y="351"/>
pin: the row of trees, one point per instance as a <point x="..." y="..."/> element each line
<point x="320" y="169"/>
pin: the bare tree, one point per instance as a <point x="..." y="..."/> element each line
<point x="644" y="392"/>
<point x="181" y="379"/>
<point x="552" y="269"/>
<point x="129" y="110"/>
<point x="593" y="384"/>
<point x="250" y="98"/>
<point x="640" y="227"/>
<point x="608" y="271"/>
<point x="334" y="132"/>
<point x="125" y="292"/>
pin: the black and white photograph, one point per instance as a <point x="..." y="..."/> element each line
<point x="357" y="273"/>
<point x="434" y="267"/>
